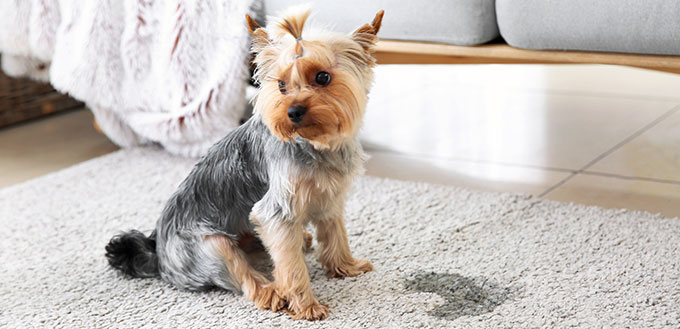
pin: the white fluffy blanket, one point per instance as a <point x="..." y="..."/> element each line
<point x="172" y="72"/>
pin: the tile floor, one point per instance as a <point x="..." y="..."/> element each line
<point x="38" y="147"/>
<point x="600" y="135"/>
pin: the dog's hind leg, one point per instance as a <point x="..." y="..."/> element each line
<point x="254" y="285"/>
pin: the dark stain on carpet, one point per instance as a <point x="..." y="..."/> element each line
<point x="465" y="296"/>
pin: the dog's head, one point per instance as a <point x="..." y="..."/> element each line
<point x="312" y="86"/>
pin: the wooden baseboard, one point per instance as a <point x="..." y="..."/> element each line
<point x="407" y="52"/>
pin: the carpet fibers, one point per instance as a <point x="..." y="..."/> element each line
<point x="443" y="257"/>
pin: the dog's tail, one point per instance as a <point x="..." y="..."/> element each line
<point x="134" y="254"/>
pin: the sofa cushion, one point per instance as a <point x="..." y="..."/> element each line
<point x="630" y="26"/>
<point x="460" y="22"/>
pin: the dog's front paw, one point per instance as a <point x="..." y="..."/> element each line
<point x="354" y="268"/>
<point x="269" y="298"/>
<point x="314" y="312"/>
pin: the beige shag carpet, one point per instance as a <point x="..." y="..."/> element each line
<point x="443" y="256"/>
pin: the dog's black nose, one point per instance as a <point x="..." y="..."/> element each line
<point x="295" y="113"/>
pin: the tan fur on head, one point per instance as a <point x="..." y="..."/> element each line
<point x="260" y="36"/>
<point x="294" y="23"/>
<point x="334" y="111"/>
<point x="366" y="35"/>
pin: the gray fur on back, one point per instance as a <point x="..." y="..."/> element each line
<point x="221" y="190"/>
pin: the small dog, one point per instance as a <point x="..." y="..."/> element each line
<point x="289" y="165"/>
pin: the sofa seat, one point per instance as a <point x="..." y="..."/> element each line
<point x="625" y="26"/>
<point x="460" y="22"/>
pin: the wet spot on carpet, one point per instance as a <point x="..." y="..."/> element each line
<point x="465" y="296"/>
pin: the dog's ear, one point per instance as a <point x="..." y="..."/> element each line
<point x="260" y="36"/>
<point x="366" y="35"/>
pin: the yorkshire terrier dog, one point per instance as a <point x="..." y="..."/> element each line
<point x="288" y="166"/>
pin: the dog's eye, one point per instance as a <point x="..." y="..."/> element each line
<point x="323" y="78"/>
<point x="282" y="87"/>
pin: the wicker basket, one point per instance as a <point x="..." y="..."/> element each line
<point x="24" y="99"/>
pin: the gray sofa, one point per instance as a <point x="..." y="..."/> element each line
<point x="459" y="22"/>
<point x="625" y="26"/>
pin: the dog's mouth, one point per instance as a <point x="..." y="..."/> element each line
<point x="307" y="123"/>
<point x="298" y="126"/>
<point x="308" y="130"/>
